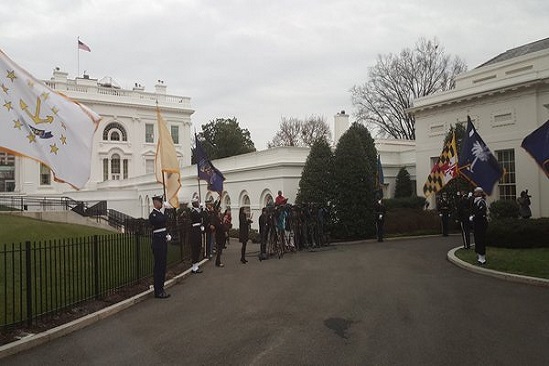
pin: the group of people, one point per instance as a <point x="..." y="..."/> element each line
<point x="291" y="227"/>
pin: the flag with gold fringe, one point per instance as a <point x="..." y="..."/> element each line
<point x="37" y="122"/>
<point x="444" y="170"/>
<point x="166" y="165"/>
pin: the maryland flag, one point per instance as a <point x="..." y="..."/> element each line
<point x="166" y="164"/>
<point x="444" y="170"/>
<point x="38" y="123"/>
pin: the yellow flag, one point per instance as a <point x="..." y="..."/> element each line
<point x="444" y="170"/>
<point x="38" y="123"/>
<point x="166" y="164"/>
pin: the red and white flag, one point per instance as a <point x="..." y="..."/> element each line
<point x="83" y="46"/>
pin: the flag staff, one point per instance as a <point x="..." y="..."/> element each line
<point x="78" y="56"/>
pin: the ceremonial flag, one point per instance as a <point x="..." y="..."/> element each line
<point x="83" y="46"/>
<point x="166" y="165"/>
<point x="444" y="170"/>
<point x="380" y="180"/>
<point x="206" y="170"/>
<point x="537" y="145"/>
<point x="38" y="123"/>
<point x="476" y="162"/>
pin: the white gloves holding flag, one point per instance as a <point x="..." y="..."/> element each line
<point x="168" y="237"/>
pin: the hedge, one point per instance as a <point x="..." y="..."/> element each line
<point x="407" y="202"/>
<point x="518" y="233"/>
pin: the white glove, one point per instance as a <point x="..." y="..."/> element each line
<point x="471" y="218"/>
<point x="202" y="228"/>
<point x="167" y="204"/>
<point x="168" y="237"/>
<point x="380" y="217"/>
<point x="440" y="215"/>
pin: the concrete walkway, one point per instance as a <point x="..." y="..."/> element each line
<point x="397" y="302"/>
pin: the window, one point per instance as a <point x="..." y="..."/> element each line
<point x="149" y="133"/>
<point x="175" y="134"/>
<point x="115" y="167"/>
<point x="45" y="175"/>
<point x="149" y="166"/>
<point x="269" y="201"/>
<point x="105" y="169"/>
<point x="7" y="172"/>
<point x="507" y="183"/>
<point x="125" y="168"/>
<point x="115" y="132"/>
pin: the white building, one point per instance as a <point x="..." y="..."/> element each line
<point x="125" y="144"/>
<point x="507" y="98"/>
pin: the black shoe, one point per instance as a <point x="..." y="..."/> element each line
<point x="162" y="295"/>
<point x="197" y="271"/>
<point x="220" y="265"/>
<point x="243" y="261"/>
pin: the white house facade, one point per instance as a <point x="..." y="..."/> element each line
<point x="507" y="98"/>
<point x="124" y="148"/>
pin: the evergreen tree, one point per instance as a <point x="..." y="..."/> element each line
<point x="403" y="185"/>
<point x="354" y="186"/>
<point x="316" y="182"/>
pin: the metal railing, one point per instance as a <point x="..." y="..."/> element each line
<point x="42" y="278"/>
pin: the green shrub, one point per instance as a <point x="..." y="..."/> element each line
<point x="406" y="202"/>
<point x="504" y="209"/>
<point x="403" y="221"/>
<point x="518" y="233"/>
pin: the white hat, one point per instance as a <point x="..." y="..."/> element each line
<point x="479" y="189"/>
<point x="194" y="199"/>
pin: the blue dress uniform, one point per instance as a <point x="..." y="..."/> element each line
<point x="480" y="224"/>
<point x="197" y="227"/>
<point x="160" y="249"/>
<point x="379" y="211"/>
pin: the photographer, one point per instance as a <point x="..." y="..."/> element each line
<point x="524" y="205"/>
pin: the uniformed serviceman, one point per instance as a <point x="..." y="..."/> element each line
<point x="463" y="214"/>
<point x="160" y="238"/>
<point x="379" y="211"/>
<point x="444" y="213"/>
<point x="197" y="228"/>
<point x="480" y="224"/>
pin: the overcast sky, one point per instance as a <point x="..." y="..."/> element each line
<point x="259" y="60"/>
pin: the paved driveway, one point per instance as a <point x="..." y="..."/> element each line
<point x="366" y="303"/>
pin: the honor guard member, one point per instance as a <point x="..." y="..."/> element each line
<point x="379" y="211"/>
<point x="444" y="213"/>
<point x="480" y="224"/>
<point x="463" y="213"/>
<point x="197" y="228"/>
<point x="160" y="238"/>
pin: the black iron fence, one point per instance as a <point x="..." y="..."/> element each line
<point x="45" y="277"/>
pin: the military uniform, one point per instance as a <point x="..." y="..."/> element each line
<point x="444" y="213"/>
<point x="159" y="245"/>
<point x="379" y="211"/>
<point x="463" y="213"/>
<point x="197" y="227"/>
<point x="480" y="224"/>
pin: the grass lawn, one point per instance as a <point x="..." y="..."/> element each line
<point x="16" y="229"/>
<point x="529" y="262"/>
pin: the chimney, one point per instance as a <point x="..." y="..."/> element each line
<point x="59" y="75"/>
<point x="341" y="124"/>
<point x="160" y="87"/>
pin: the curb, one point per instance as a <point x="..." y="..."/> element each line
<point x="535" y="281"/>
<point x="80" y="323"/>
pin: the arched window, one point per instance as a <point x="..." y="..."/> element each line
<point x="269" y="201"/>
<point x="115" y="168"/>
<point x="113" y="131"/>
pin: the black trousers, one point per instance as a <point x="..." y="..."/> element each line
<point x="445" y="218"/>
<point x="196" y="245"/>
<point x="243" y="250"/>
<point x="379" y="230"/>
<point x="480" y="236"/>
<point x="466" y="233"/>
<point x="220" y="243"/>
<point x="160" y="254"/>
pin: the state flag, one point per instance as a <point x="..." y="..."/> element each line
<point x="444" y="170"/>
<point x="537" y="145"/>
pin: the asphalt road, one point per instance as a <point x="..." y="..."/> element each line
<point x="366" y="303"/>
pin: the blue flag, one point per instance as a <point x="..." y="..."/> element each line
<point x="537" y="145"/>
<point x="380" y="179"/>
<point x="206" y="170"/>
<point x="476" y="161"/>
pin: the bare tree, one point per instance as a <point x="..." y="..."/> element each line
<point x="295" y="132"/>
<point x="396" y="80"/>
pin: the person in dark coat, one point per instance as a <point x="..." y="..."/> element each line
<point x="463" y="214"/>
<point x="218" y="232"/>
<point x="160" y="238"/>
<point x="524" y="205"/>
<point x="244" y="232"/>
<point x="379" y="211"/>
<point x="263" y="231"/>
<point x="444" y="213"/>
<point x="480" y="222"/>
<point x="197" y="228"/>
